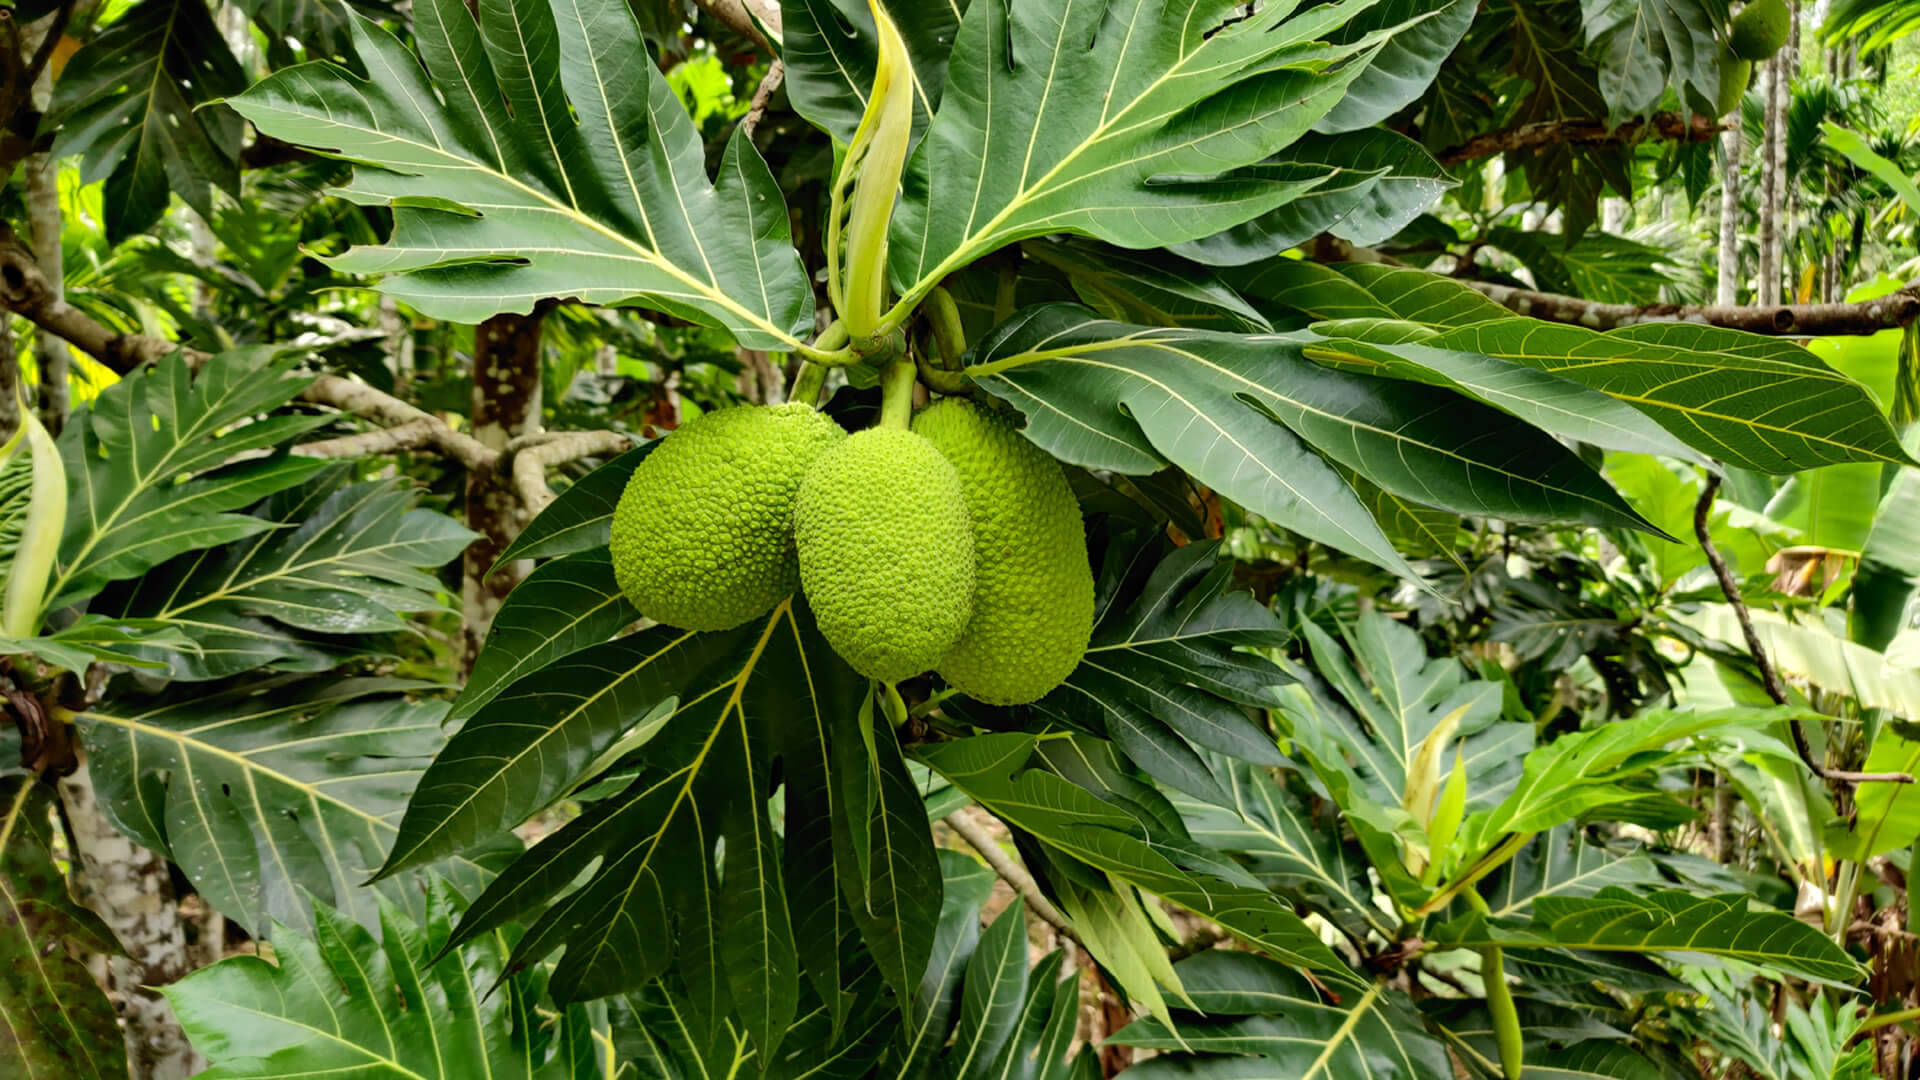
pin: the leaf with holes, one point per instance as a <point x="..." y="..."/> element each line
<point x="533" y="158"/>
<point x="142" y="104"/>
<point x="266" y="795"/>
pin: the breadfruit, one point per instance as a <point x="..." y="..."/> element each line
<point x="1760" y="29"/>
<point x="703" y="534"/>
<point x="1735" y="74"/>
<point x="1033" y="587"/>
<point x="886" y="554"/>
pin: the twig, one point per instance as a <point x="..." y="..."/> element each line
<point x="1010" y="871"/>
<point x="1769" y="675"/>
<point x="776" y="74"/>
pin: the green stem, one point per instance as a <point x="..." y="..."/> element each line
<point x="896" y="394"/>
<point x="948" y="333"/>
<point x="1487" y="864"/>
<point x="1875" y="1023"/>
<point x="808" y="382"/>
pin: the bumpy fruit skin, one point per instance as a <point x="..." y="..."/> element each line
<point x="1760" y="29"/>
<point x="1033" y="587"/>
<point x="703" y="535"/>
<point x="1735" y="74"/>
<point x="886" y="554"/>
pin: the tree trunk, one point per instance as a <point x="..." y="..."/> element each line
<point x="50" y="354"/>
<point x="9" y="382"/>
<point x="1767" y="286"/>
<point x="1727" y="292"/>
<point x="506" y="405"/>
<point x="129" y="887"/>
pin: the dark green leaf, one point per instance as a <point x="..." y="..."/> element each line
<point x="564" y="606"/>
<point x="1377" y="182"/>
<point x="1424" y="35"/>
<point x="830" y="48"/>
<point x="535" y="158"/>
<point x="581" y="518"/>
<point x="1251" y="1005"/>
<point x="1669" y="921"/>
<point x="326" y="566"/>
<point x="1120" y="122"/>
<point x="339" y="1003"/>
<point x="1754" y="402"/>
<point x="59" y="1025"/>
<point x="264" y="797"/>
<point x="141" y="103"/>
<point x="144" y="465"/>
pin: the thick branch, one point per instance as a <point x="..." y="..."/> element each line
<point x="1769" y="675"/>
<point x="1010" y="871"/>
<point x="25" y="290"/>
<point x="364" y="401"/>
<point x="1665" y="126"/>
<point x="1888" y="312"/>
<point x="735" y="15"/>
<point x="530" y="463"/>
<point x="408" y="436"/>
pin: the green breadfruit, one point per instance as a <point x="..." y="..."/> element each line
<point x="703" y="535"/>
<point x="1760" y="29"/>
<point x="1735" y="74"/>
<point x="1033" y="587"/>
<point x="886" y="554"/>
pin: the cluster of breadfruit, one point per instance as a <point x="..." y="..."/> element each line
<point x="1756" y="34"/>
<point x="953" y="546"/>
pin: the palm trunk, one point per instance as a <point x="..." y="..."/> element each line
<point x="1767" y="287"/>
<point x="506" y="405"/>
<point x="1727" y="292"/>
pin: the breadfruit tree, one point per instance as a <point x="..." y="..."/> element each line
<point x="970" y="553"/>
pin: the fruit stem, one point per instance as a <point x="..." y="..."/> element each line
<point x="948" y="333"/>
<point x="808" y="382"/>
<point x="896" y="394"/>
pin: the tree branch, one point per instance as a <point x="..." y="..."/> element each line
<point x="1010" y="871"/>
<point x="25" y="290"/>
<point x="1769" y="675"/>
<point x="368" y="403"/>
<point x="531" y="462"/>
<point x="734" y="14"/>
<point x="1891" y="312"/>
<point x="757" y="109"/>
<point x="1664" y="126"/>
<point x="408" y="436"/>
